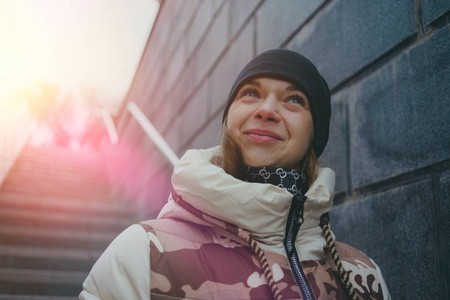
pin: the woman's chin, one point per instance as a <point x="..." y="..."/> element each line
<point x="258" y="160"/>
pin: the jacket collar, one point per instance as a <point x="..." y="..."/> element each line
<point x="259" y="209"/>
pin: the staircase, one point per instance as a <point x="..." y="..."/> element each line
<point x="56" y="218"/>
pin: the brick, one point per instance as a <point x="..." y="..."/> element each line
<point x="433" y="9"/>
<point x="210" y="136"/>
<point x="175" y="98"/>
<point x="153" y="84"/>
<point x="194" y="114"/>
<point x="186" y="12"/>
<point x="163" y="116"/>
<point x="161" y="27"/>
<point x="217" y="5"/>
<point x="240" y="12"/>
<point x="395" y="229"/>
<point x="166" y="35"/>
<point x="143" y="73"/>
<point x="149" y="83"/>
<point x="179" y="80"/>
<point x="166" y="22"/>
<point x="144" y="84"/>
<point x="183" y="86"/>
<point x="223" y="76"/>
<point x="213" y="44"/>
<point x="277" y="21"/>
<point x="399" y="114"/>
<point x="156" y="96"/>
<point x="335" y="153"/>
<point x="203" y="17"/>
<point x="348" y="35"/>
<point x="443" y="226"/>
<point x="172" y="136"/>
<point x="146" y="75"/>
<point x="174" y="66"/>
<point x="169" y="99"/>
<point x="137" y="90"/>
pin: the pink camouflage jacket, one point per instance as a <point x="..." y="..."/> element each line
<point x="197" y="249"/>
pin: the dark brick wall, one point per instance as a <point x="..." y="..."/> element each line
<point x="388" y="67"/>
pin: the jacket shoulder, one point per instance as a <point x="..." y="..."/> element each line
<point x="177" y="228"/>
<point x="347" y="252"/>
<point x="363" y="272"/>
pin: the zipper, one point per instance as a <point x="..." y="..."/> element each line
<point x="294" y="221"/>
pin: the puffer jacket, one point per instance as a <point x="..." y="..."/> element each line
<point x="198" y="246"/>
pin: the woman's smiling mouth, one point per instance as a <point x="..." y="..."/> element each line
<point x="262" y="136"/>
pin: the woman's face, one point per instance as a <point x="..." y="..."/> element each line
<point x="271" y="121"/>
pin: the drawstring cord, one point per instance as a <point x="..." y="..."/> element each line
<point x="324" y="219"/>
<point x="329" y="239"/>
<point x="265" y="265"/>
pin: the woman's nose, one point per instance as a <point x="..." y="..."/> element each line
<point x="268" y="111"/>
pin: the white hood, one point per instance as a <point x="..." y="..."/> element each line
<point x="260" y="209"/>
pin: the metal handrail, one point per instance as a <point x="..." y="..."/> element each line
<point x="152" y="133"/>
<point x="110" y="128"/>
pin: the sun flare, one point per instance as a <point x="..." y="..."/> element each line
<point x="72" y="44"/>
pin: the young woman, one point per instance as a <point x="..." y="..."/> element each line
<point x="247" y="219"/>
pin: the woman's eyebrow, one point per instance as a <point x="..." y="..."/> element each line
<point x="253" y="82"/>
<point x="293" y="88"/>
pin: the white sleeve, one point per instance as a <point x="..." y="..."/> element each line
<point x="123" y="270"/>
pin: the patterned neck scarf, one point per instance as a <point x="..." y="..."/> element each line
<point x="289" y="179"/>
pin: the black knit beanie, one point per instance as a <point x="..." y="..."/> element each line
<point x="292" y="67"/>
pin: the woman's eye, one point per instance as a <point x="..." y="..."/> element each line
<point x="296" y="99"/>
<point x="251" y="94"/>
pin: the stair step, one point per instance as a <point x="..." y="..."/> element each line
<point x="63" y="180"/>
<point x="61" y="156"/>
<point x="41" y="276"/>
<point x="44" y="258"/>
<point x="56" y="164"/>
<point x="58" y="152"/>
<point x="31" y="297"/>
<point x="41" y="175"/>
<point x="53" y="187"/>
<point x="56" y="237"/>
<point x="57" y="215"/>
<point x="63" y="162"/>
<point x="30" y="167"/>
<point x="67" y="193"/>
<point x="49" y="219"/>
<point x="21" y="169"/>
<point x="56" y="190"/>
<point x="41" y="282"/>
<point x="67" y="205"/>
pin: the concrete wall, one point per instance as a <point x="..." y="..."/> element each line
<point x="388" y="67"/>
